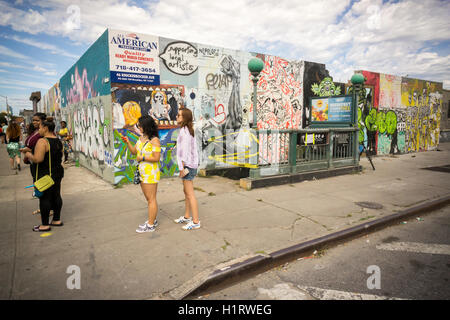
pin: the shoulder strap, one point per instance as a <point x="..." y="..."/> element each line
<point x="49" y="160"/>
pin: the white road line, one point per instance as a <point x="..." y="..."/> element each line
<point x="416" y="247"/>
<point x="289" y="291"/>
<point x="327" y="294"/>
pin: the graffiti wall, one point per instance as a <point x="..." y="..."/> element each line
<point x="89" y="77"/>
<point x="317" y="82"/>
<point x="129" y="103"/>
<point x="125" y="75"/>
<point x="423" y="102"/>
<point x="90" y="122"/>
<point x="85" y="104"/>
<point x="399" y="115"/>
<point x="51" y="103"/>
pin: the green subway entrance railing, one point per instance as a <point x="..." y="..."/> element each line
<point x="295" y="151"/>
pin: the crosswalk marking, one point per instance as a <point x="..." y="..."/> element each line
<point x="289" y="291"/>
<point x="328" y="294"/>
<point x="416" y="247"/>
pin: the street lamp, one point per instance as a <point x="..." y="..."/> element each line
<point x="255" y="66"/>
<point x="357" y="83"/>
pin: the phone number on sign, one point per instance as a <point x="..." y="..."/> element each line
<point x="137" y="69"/>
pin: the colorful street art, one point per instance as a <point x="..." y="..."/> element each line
<point x="395" y="114"/>
<point x="89" y="76"/>
<point x="125" y="162"/>
<point x="326" y="88"/>
<point x="91" y="126"/>
<point x="280" y="92"/>
<point x="399" y="115"/>
<point x="317" y="82"/>
<point x="220" y="106"/>
<point x="129" y="103"/>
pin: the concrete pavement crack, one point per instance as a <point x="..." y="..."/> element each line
<point x="294" y="212"/>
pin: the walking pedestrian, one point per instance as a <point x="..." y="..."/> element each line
<point x="187" y="156"/>
<point x="4" y="127"/>
<point x="148" y="151"/>
<point x="3" y="134"/>
<point x="14" y="136"/>
<point x="47" y="156"/>
<point x="64" y="135"/>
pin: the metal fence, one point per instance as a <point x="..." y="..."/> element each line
<point x="292" y="151"/>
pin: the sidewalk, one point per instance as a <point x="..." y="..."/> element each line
<point x="117" y="263"/>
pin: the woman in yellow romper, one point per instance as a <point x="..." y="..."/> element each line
<point x="148" y="151"/>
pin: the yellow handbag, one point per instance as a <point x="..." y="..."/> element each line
<point x="46" y="181"/>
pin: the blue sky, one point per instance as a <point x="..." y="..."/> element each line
<point x="41" y="39"/>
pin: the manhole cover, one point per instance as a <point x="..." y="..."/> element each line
<point x="369" y="205"/>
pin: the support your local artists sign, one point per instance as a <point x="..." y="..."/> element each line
<point x="133" y="57"/>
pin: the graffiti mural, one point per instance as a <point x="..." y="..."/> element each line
<point x="313" y="73"/>
<point x="403" y="117"/>
<point x="326" y="88"/>
<point x="220" y="107"/>
<point x="90" y="122"/>
<point x="82" y="87"/>
<point x="89" y="76"/>
<point x="280" y="92"/>
<point x="423" y="102"/>
<point x="129" y="103"/>
<point x="395" y="114"/>
<point x="125" y="162"/>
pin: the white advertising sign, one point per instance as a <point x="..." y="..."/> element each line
<point x="133" y="57"/>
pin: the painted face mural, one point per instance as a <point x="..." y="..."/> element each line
<point x="130" y="102"/>
<point x="326" y="88"/>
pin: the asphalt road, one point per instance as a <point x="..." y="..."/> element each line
<point x="406" y="261"/>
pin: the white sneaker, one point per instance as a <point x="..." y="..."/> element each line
<point x="191" y="226"/>
<point x="182" y="219"/>
<point x="142" y="226"/>
<point x="147" y="228"/>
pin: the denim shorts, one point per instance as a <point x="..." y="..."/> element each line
<point x="191" y="175"/>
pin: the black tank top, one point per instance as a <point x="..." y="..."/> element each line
<point x="56" y="153"/>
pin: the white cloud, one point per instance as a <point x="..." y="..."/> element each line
<point x="392" y="37"/>
<point x="11" y="65"/>
<point x="20" y="83"/>
<point x="41" y="45"/>
<point x="11" y="53"/>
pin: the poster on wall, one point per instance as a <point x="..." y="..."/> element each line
<point x="331" y="109"/>
<point x="133" y="57"/>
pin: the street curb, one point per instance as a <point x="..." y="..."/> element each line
<point x="270" y="181"/>
<point x="263" y="262"/>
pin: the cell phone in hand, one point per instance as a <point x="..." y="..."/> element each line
<point x="186" y="171"/>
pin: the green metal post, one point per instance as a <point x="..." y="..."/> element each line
<point x="357" y="82"/>
<point x="255" y="120"/>
<point x="330" y="149"/>
<point x="293" y="151"/>
<point x="255" y="66"/>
